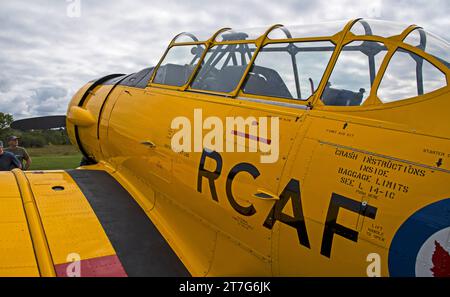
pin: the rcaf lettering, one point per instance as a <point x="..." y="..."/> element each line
<point x="290" y="192"/>
<point x="210" y="175"/>
<point x="332" y="227"/>
<point x="241" y="167"/>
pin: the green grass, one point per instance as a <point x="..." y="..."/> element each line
<point x="53" y="150"/>
<point x="54" y="157"/>
<point x="55" y="162"/>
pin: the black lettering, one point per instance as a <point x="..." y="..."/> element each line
<point x="290" y="192"/>
<point x="246" y="167"/>
<point x="332" y="227"/>
<point x="210" y="175"/>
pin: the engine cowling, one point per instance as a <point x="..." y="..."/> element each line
<point x="84" y="115"/>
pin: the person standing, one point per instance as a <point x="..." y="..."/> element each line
<point x="20" y="152"/>
<point x="7" y="160"/>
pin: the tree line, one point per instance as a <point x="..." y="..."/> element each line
<point x="34" y="138"/>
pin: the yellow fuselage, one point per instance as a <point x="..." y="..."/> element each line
<point x="381" y="163"/>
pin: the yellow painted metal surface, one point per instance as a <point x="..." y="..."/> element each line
<point x="17" y="256"/>
<point x="71" y="225"/>
<point x="37" y="232"/>
<point x="80" y="117"/>
<point x="44" y="219"/>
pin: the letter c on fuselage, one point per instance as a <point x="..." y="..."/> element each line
<point x="241" y="167"/>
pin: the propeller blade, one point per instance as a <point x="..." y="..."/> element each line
<point x="40" y="123"/>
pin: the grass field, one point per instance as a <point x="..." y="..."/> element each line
<point x="54" y="157"/>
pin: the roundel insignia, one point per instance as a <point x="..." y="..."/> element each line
<point x="421" y="246"/>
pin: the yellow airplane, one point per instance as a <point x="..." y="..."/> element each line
<point x="315" y="150"/>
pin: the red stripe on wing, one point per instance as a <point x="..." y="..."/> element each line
<point x="108" y="266"/>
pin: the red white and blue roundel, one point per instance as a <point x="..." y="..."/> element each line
<point x="421" y="246"/>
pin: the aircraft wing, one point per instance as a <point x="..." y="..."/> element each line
<point x="49" y="219"/>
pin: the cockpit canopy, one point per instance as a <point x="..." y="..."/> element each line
<point x="343" y="63"/>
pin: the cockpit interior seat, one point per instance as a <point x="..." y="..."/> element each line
<point x="173" y="75"/>
<point x="227" y="78"/>
<point x="342" y="97"/>
<point x="266" y="81"/>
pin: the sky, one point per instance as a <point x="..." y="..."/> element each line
<point x="51" y="48"/>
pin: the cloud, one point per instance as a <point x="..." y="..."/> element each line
<point x="45" y="56"/>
